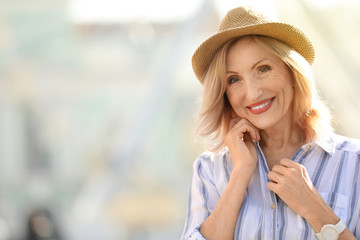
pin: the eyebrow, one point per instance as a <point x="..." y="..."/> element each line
<point x="253" y="66"/>
<point x="257" y="63"/>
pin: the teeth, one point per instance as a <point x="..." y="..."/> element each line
<point x="262" y="105"/>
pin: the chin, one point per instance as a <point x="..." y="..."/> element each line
<point x="263" y="124"/>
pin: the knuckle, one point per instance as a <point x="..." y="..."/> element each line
<point x="243" y="120"/>
<point x="281" y="188"/>
<point x="293" y="171"/>
<point x="283" y="161"/>
<point x="276" y="168"/>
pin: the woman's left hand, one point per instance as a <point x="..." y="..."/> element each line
<point x="291" y="182"/>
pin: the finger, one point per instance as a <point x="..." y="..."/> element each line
<point x="250" y="134"/>
<point x="280" y="169"/>
<point x="258" y="136"/>
<point x="275" y="177"/>
<point x="272" y="186"/>
<point x="244" y="126"/>
<point x="236" y="128"/>
<point x="291" y="168"/>
<point x="247" y="127"/>
<point x="289" y="163"/>
<point x="233" y="122"/>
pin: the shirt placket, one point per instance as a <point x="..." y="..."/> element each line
<point x="271" y="204"/>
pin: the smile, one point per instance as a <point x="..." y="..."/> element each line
<point x="260" y="107"/>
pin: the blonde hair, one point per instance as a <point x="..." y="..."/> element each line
<point x="310" y="113"/>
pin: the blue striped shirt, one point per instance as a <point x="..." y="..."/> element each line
<point x="332" y="165"/>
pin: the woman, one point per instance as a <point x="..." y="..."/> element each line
<point x="274" y="170"/>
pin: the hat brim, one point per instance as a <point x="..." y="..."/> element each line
<point x="286" y="33"/>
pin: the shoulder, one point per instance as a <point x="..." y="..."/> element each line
<point x="212" y="160"/>
<point x="346" y="144"/>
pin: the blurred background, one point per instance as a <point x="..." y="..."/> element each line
<point x="98" y="103"/>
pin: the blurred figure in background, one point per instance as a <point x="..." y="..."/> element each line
<point x="41" y="226"/>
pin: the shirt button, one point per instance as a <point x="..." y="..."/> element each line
<point x="273" y="206"/>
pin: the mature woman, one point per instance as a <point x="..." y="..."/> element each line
<point x="274" y="170"/>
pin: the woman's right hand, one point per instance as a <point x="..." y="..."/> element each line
<point x="221" y="223"/>
<point x="240" y="142"/>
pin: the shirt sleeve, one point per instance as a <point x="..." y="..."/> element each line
<point x="202" y="199"/>
<point x="356" y="232"/>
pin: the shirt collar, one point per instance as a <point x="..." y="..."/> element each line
<point x="326" y="143"/>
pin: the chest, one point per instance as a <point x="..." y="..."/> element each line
<point x="271" y="218"/>
<point x="273" y="157"/>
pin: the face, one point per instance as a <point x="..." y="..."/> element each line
<point x="259" y="85"/>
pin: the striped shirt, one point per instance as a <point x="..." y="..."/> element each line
<point x="333" y="167"/>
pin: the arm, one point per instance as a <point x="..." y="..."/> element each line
<point x="327" y="216"/>
<point x="222" y="221"/>
<point x="291" y="182"/>
<point x="357" y="228"/>
<point x="202" y="199"/>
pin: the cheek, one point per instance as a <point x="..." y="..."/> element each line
<point x="233" y="98"/>
<point x="285" y="85"/>
<point x="288" y="97"/>
<point x="289" y="93"/>
<point x="235" y="102"/>
<point x="234" y="94"/>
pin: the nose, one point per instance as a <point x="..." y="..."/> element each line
<point x="253" y="88"/>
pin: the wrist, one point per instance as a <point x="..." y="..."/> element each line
<point x="244" y="166"/>
<point x="331" y="231"/>
<point x="242" y="171"/>
<point x="318" y="219"/>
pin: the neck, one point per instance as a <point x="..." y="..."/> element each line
<point x="280" y="143"/>
<point x="281" y="138"/>
<point x="286" y="134"/>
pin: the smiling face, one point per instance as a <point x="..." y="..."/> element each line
<point x="258" y="85"/>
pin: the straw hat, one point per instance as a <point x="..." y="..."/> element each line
<point x="243" y="21"/>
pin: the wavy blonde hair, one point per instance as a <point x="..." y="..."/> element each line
<point x="310" y="113"/>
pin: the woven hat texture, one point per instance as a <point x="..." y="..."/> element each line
<point x="244" y="21"/>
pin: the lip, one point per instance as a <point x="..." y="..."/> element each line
<point x="261" y="106"/>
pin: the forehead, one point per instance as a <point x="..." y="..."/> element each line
<point x="247" y="49"/>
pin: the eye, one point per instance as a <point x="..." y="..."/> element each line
<point x="264" y="69"/>
<point x="233" y="79"/>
